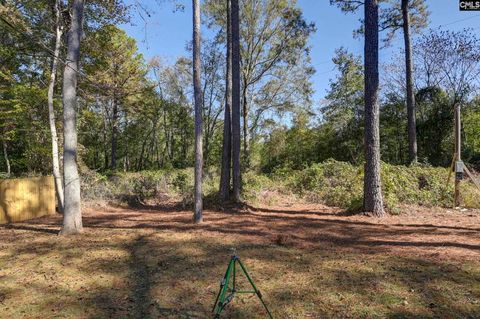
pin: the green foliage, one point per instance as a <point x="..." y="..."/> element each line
<point x="255" y="185"/>
<point x="141" y="187"/>
<point x="276" y="68"/>
<point x="434" y="126"/>
<point x="393" y="130"/>
<point x="471" y="127"/>
<point x="146" y="108"/>
<point x="390" y="18"/>
<point x="130" y="187"/>
<point x="341" y="184"/>
<point x="418" y="184"/>
<point x="331" y="182"/>
<point x="344" y="110"/>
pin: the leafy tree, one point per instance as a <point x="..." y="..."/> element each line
<point x="275" y="69"/>
<point x="435" y="126"/>
<point x="117" y="73"/>
<point x="471" y="139"/>
<point x="393" y="122"/>
<point x="414" y="15"/>
<point x="175" y="120"/>
<point x="344" y="109"/>
<point x="292" y="148"/>
<point x="453" y="62"/>
<point x="449" y="69"/>
<point x="213" y="67"/>
<point x="408" y="15"/>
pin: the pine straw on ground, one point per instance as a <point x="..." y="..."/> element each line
<point x="309" y="261"/>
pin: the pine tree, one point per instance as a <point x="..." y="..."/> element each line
<point x="225" y="177"/>
<point x="198" y="209"/>
<point x="372" y="191"/>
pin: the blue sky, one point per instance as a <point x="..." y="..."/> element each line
<point x="166" y="31"/>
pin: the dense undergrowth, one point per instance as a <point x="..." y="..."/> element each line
<point x="331" y="182"/>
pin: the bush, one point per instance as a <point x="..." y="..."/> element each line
<point x="135" y="187"/>
<point x="332" y="183"/>
<point x="341" y="184"/>
<point x="418" y="184"/>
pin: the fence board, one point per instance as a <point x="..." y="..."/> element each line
<point x="26" y="198"/>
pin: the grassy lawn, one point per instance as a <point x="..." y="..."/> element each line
<point x="309" y="262"/>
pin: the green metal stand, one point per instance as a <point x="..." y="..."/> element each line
<point x="226" y="294"/>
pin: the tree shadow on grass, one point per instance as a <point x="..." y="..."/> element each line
<point x="164" y="278"/>
<point x="311" y="229"/>
<point x="176" y="275"/>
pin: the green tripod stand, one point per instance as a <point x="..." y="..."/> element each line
<point x="226" y="294"/>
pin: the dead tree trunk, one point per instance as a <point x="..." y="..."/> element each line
<point x="198" y="209"/>
<point x="372" y="198"/>
<point x="51" y="112"/>
<point x="225" y="176"/>
<point x="72" y="217"/>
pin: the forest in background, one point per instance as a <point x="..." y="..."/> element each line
<point x="137" y="115"/>
<point x="339" y="209"/>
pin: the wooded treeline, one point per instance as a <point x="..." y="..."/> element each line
<point x="137" y="115"/>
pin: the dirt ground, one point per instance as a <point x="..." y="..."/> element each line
<point x="309" y="261"/>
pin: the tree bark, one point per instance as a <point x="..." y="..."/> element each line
<point x="105" y="141"/>
<point x="236" y="174"/>
<point x="113" y="159"/>
<point x="246" y="131"/>
<point x="412" y="125"/>
<point x="198" y="209"/>
<point x="458" y="150"/>
<point x="51" y="112"/>
<point x="225" y="176"/>
<point x="72" y="217"/>
<point x="5" y="156"/>
<point x="372" y="200"/>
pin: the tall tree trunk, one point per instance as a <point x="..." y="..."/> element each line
<point x="5" y="156"/>
<point x="236" y="174"/>
<point x="206" y="149"/>
<point x="225" y="176"/>
<point x="105" y="142"/>
<point x="51" y="112"/>
<point x="126" y="157"/>
<point x="72" y="217"/>
<point x="113" y="159"/>
<point x="412" y="125"/>
<point x="198" y="209"/>
<point x="372" y="192"/>
<point x="246" y="131"/>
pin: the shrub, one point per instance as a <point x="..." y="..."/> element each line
<point x="332" y="183"/>
<point x="341" y="184"/>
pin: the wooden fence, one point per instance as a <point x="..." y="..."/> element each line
<point x="26" y="198"/>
